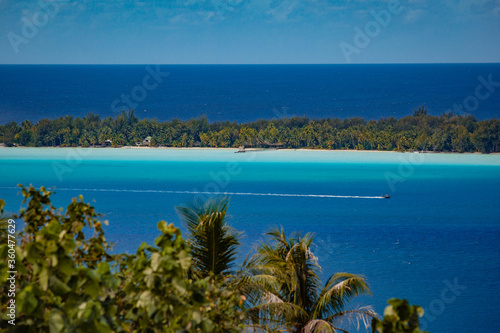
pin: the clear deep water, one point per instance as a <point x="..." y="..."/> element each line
<point x="245" y="93"/>
<point x="441" y="226"/>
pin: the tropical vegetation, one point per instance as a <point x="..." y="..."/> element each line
<point x="399" y="317"/>
<point x="69" y="280"/>
<point x="213" y="243"/>
<point x="285" y="289"/>
<point x="420" y="131"/>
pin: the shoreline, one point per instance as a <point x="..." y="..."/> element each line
<point x="259" y="149"/>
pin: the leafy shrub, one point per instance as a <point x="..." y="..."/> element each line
<point x="399" y="317"/>
<point x="67" y="282"/>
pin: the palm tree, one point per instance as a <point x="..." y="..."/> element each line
<point x="104" y="134"/>
<point x="284" y="288"/>
<point x="66" y="135"/>
<point x="213" y="243"/>
<point x="50" y="138"/>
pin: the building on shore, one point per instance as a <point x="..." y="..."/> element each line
<point x="145" y="143"/>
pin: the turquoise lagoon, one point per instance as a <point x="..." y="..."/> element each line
<point x="436" y="241"/>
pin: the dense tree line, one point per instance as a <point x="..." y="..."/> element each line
<point x="420" y="131"/>
<point x="67" y="280"/>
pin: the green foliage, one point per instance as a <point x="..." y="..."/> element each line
<point x="399" y="317"/>
<point x="284" y="288"/>
<point x="62" y="278"/>
<point x="160" y="296"/>
<point x="4" y="217"/>
<point x="67" y="282"/>
<point x="213" y="243"/>
<point x="419" y="131"/>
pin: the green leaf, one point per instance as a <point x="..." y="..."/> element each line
<point x="179" y="284"/>
<point x="103" y="327"/>
<point x="27" y="300"/>
<point x="207" y="325"/>
<point x="56" y="322"/>
<point x="103" y="268"/>
<point x="84" y="310"/>
<point x="419" y="310"/>
<point x="93" y="275"/>
<point x="33" y="253"/>
<point x="155" y="261"/>
<point x="184" y="260"/>
<point x="162" y="226"/>
<point x="66" y="266"/>
<point x="91" y="288"/>
<point x="145" y="299"/>
<point x="58" y="287"/>
<point x="44" y="279"/>
<point x="197" y="317"/>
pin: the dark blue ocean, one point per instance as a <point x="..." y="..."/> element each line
<point x="435" y="242"/>
<point x="247" y="92"/>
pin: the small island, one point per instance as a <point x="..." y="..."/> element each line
<point x="417" y="132"/>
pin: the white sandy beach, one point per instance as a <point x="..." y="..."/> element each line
<point x="251" y="155"/>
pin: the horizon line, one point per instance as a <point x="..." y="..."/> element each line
<point x="250" y="64"/>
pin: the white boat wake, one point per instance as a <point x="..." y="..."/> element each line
<point x="216" y="193"/>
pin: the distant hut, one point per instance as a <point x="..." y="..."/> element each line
<point x="145" y="143"/>
<point x="108" y="143"/>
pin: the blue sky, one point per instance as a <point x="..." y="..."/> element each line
<point x="248" y="31"/>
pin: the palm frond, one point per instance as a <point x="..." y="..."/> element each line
<point x="213" y="243"/>
<point x="4" y="217"/>
<point x="275" y="310"/>
<point x="319" y="326"/>
<point x="262" y="281"/>
<point x="358" y="317"/>
<point x="258" y="328"/>
<point x="338" y="291"/>
<point x="278" y="236"/>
